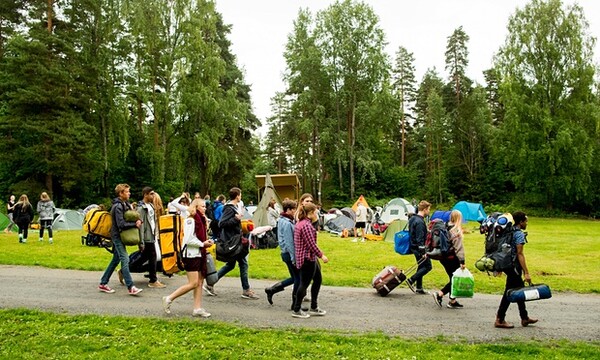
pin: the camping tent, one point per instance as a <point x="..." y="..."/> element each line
<point x="65" y="219"/>
<point x="397" y="208"/>
<point x="361" y="199"/>
<point x="444" y="215"/>
<point x="339" y="223"/>
<point x="395" y="226"/>
<point x="349" y="213"/>
<point x="4" y="221"/>
<point x="259" y="217"/>
<point x="470" y="211"/>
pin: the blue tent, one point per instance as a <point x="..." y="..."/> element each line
<point x="441" y="214"/>
<point x="470" y="211"/>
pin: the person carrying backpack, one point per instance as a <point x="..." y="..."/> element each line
<point x="513" y="275"/>
<point x="454" y="259"/>
<point x="230" y="225"/>
<point x="418" y="234"/>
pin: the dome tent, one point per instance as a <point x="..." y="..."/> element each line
<point x="470" y="211"/>
<point x="65" y="219"/>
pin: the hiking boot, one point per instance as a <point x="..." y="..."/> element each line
<point x="437" y="298"/>
<point x="157" y="284"/>
<point x="134" y="291"/>
<point x="120" y="275"/>
<point x="300" y="314"/>
<point x="106" y="289"/>
<point x="454" y="305"/>
<point x="210" y="290"/>
<point x="166" y="303"/>
<point x="528" y="321"/>
<point x="249" y="295"/>
<point x="201" y="313"/>
<point x="502" y="324"/>
<point x="411" y="286"/>
<point x="317" y="312"/>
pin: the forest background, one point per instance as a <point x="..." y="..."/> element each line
<point x="148" y="92"/>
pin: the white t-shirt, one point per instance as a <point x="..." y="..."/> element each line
<point x="361" y="213"/>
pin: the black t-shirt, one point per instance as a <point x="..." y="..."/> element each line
<point x="11" y="204"/>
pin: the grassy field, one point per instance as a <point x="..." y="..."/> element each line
<point x="561" y="253"/>
<point x="26" y="334"/>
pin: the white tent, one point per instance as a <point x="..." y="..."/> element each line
<point x="259" y="217"/>
<point x="397" y="208"/>
<point x="65" y="219"/>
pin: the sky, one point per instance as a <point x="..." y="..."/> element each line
<point x="260" y="29"/>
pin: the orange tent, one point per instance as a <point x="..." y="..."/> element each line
<point x="361" y="199"/>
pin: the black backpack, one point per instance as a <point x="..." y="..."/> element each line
<point x="500" y="254"/>
<point x="437" y="244"/>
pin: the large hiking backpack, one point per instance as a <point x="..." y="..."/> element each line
<point x="98" y="222"/>
<point x="499" y="242"/>
<point x="437" y="243"/>
<point x="171" y="233"/>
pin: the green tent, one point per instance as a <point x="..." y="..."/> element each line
<point x="395" y="226"/>
<point x="4" y="221"/>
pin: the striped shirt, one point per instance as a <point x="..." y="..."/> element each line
<point x="305" y="243"/>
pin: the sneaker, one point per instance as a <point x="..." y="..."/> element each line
<point x="210" y="290"/>
<point x="454" y="305"/>
<point x="303" y="308"/>
<point x="411" y="286"/>
<point x="317" y="312"/>
<point x="306" y="299"/>
<point x="420" y="292"/>
<point x="437" y="298"/>
<point x="106" y="289"/>
<point x="166" y="303"/>
<point x="201" y="313"/>
<point x="50" y="241"/>
<point x="157" y="284"/>
<point x="300" y="314"/>
<point x="41" y="240"/>
<point x="120" y="274"/>
<point x="249" y="294"/>
<point x="134" y="291"/>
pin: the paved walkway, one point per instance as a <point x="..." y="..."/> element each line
<point x="568" y="316"/>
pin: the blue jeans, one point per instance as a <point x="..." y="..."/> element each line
<point x="243" y="271"/>
<point x="119" y="255"/>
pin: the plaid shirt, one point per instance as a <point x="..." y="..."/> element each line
<point x="305" y="243"/>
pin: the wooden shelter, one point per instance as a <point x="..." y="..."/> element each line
<point x="286" y="185"/>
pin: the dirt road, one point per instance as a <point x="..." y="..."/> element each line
<point x="565" y="316"/>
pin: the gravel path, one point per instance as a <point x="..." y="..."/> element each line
<point x="565" y="316"/>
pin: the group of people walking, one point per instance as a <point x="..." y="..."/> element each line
<point x="21" y="213"/>
<point x="455" y="259"/>
<point x="296" y="227"/>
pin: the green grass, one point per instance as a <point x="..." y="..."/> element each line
<point x="561" y="253"/>
<point x="27" y="334"/>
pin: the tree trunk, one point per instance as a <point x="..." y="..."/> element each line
<point x="50" y="16"/>
<point x="352" y="136"/>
